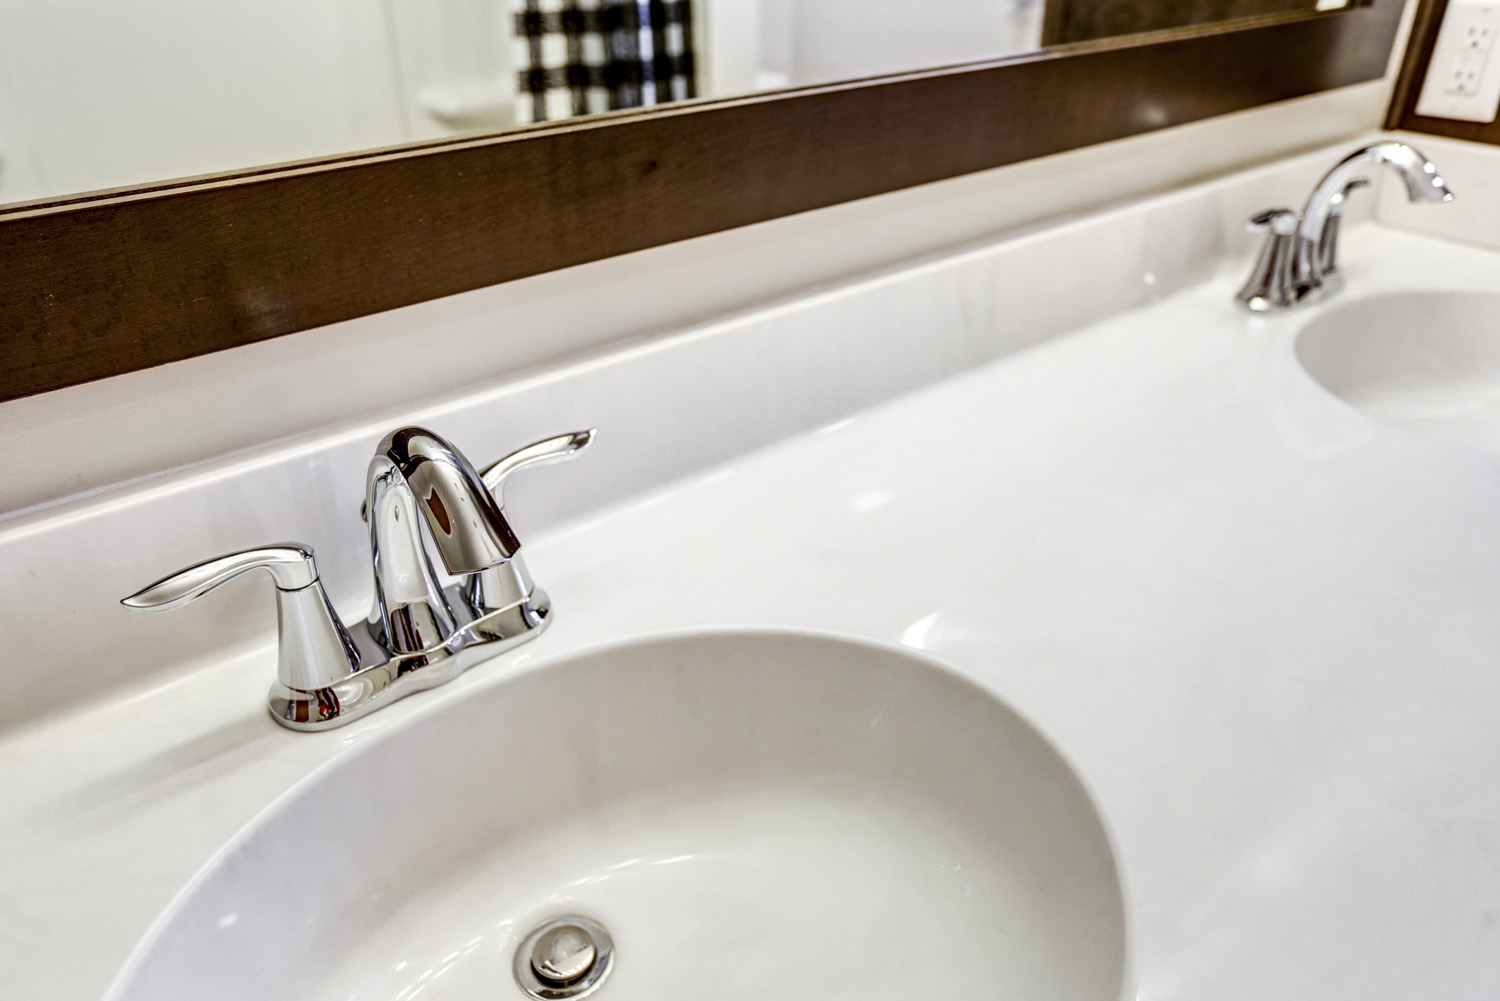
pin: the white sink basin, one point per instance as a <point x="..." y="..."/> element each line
<point x="751" y="815"/>
<point x="1428" y="361"/>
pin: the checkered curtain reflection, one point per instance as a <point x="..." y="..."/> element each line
<point x="578" y="57"/>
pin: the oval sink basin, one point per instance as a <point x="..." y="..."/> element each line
<point x="1428" y="361"/>
<point x="750" y="815"/>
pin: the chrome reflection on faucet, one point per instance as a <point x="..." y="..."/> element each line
<point x="421" y="496"/>
<point x="1299" y="260"/>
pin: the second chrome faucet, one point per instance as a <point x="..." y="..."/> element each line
<point x="1299" y="260"/>
<point x="422" y="497"/>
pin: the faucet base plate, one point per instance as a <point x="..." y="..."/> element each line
<point x="380" y="684"/>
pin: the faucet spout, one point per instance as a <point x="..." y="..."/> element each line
<point x="1419" y="174"/>
<point x="467" y="526"/>
<point x="417" y="479"/>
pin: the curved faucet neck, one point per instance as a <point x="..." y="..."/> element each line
<point x="416" y="478"/>
<point x="1417" y="172"/>
<point x="465" y="523"/>
<point x="410" y="613"/>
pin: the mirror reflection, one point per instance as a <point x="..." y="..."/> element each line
<point x="101" y="94"/>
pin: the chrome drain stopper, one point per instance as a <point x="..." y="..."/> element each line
<point x="567" y="957"/>
<point x="562" y="954"/>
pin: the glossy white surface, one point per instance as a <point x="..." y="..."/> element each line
<point x="1260" y="625"/>
<point x="1428" y="361"/>
<point x="741" y="382"/>
<point x="750" y="815"/>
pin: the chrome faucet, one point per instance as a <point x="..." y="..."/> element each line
<point x="1299" y="260"/>
<point x="414" y="476"/>
<point x="422" y="496"/>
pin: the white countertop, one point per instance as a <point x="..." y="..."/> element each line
<point x="1262" y="627"/>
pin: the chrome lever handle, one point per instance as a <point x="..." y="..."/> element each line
<point x="1281" y="222"/>
<point x="314" y="650"/>
<point x="291" y="566"/>
<point x="1272" y="282"/>
<point x="511" y="585"/>
<point x="538" y="453"/>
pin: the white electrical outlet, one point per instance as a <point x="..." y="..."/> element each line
<point x="1462" y="81"/>
<point x="1464" y="78"/>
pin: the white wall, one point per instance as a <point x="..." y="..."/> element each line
<point x="766" y="44"/>
<point x="104" y="93"/>
<point x="846" y="39"/>
<point x="108" y="93"/>
<point x="20" y="170"/>
<point x="456" y="64"/>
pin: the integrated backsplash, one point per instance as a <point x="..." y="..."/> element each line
<point x="665" y="408"/>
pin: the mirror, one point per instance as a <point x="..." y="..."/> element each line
<point x="96" y="94"/>
<point x="102" y="284"/>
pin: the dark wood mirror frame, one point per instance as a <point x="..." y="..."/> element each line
<point x="109" y="283"/>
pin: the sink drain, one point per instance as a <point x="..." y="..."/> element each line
<point x="567" y="957"/>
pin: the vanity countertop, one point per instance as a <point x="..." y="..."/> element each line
<point x="1261" y="626"/>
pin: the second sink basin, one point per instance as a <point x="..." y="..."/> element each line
<point x="751" y="815"/>
<point x="1428" y="361"/>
